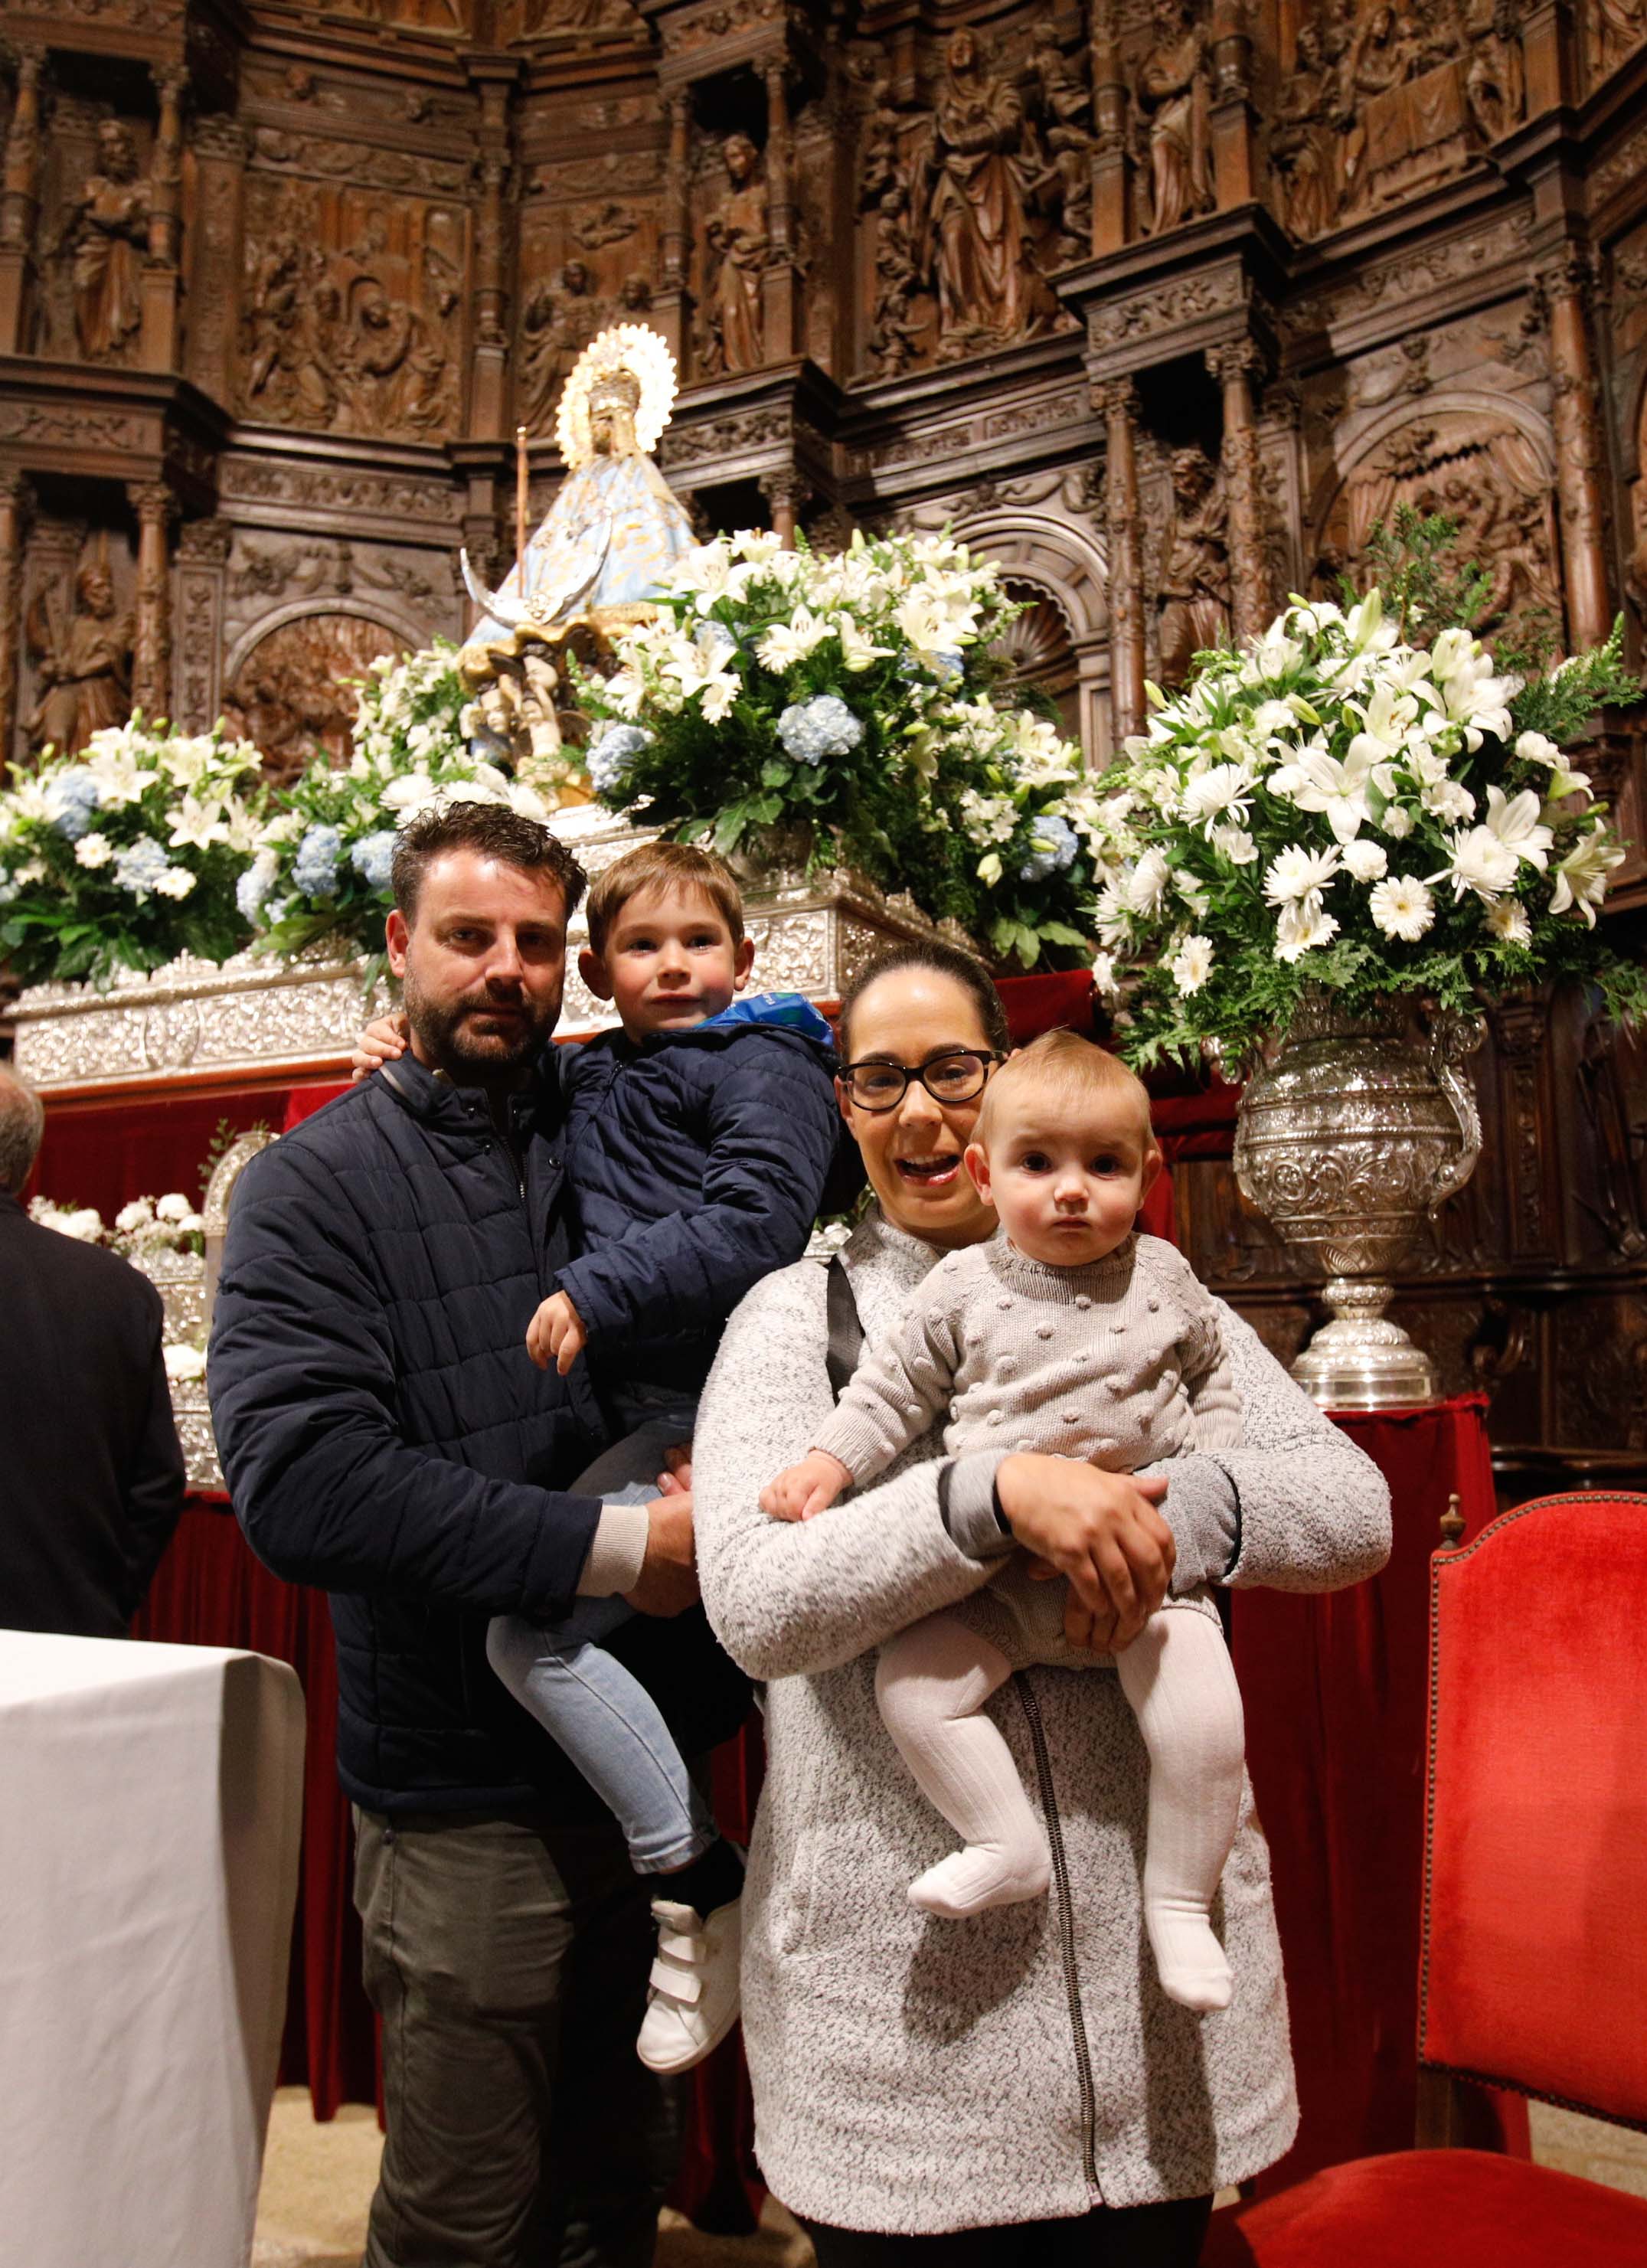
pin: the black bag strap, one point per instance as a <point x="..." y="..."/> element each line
<point x="846" y="1328"/>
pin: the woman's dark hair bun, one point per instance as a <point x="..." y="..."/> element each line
<point x="943" y="961"/>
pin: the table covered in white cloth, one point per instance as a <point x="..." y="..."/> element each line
<point x="150" y="1802"/>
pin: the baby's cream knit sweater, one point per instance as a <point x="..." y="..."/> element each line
<point x="1120" y="1363"/>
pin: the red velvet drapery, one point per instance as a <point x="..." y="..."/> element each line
<point x="1335" y="1692"/>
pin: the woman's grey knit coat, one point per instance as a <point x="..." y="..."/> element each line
<point x="919" y="2076"/>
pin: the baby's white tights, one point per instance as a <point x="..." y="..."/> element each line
<point x="932" y="1683"/>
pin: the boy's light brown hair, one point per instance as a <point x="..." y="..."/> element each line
<point x="682" y="869"/>
<point x="1063" y="1064"/>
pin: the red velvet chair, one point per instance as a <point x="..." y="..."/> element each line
<point x="1533" y="1958"/>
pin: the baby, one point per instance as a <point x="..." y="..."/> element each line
<point x="698" y="1138"/>
<point x="1071" y="1334"/>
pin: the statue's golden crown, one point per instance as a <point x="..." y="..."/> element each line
<point x="626" y="363"/>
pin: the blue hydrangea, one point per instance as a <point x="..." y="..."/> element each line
<point x="72" y="798"/>
<point x="1052" y="849"/>
<point x="612" y="753"/>
<point x="139" y="867"/>
<point x="823" y="726"/>
<point x="371" y="858"/>
<point x="314" y="869"/>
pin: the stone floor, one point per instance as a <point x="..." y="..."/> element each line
<point x="318" y="2183"/>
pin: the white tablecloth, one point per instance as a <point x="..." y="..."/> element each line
<point x="151" y="1803"/>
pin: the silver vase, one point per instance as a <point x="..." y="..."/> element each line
<point x="1349" y="1139"/>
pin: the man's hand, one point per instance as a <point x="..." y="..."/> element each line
<point x="668" y="1580"/>
<point x="556" y="1334"/>
<point x="384" y="1039"/>
<point x="802" y="1491"/>
<point x="1100" y="1530"/>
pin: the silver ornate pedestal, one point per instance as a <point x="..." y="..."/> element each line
<point x="1348" y="1138"/>
<point x="255" y="1015"/>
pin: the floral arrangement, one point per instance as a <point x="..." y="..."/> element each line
<point x="128" y="854"/>
<point x="152" y="1225"/>
<point x="84" y="1223"/>
<point x="1338" y="806"/>
<point x="321" y="864"/>
<point x="851" y="704"/>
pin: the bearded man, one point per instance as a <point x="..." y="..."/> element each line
<point x="387" y="1436"/>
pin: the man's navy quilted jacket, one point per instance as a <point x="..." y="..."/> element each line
<point x="385" y="1436"/>
<point x="696" y="1161"/>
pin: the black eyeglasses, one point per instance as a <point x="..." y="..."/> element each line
<point x="957" y="1077"/>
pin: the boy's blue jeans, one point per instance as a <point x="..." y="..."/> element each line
<point x="600" y="1716"/>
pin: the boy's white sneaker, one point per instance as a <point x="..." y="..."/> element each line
<point x="695" y="1991"/>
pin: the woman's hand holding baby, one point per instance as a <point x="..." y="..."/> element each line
<point x="384" y="1040"/>
<point x="1100" y="1530"/>
<point x="803" y="1491"/>
<point x="556" y="1334"/>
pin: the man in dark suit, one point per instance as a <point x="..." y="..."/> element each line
<point x="90" y="1472"/>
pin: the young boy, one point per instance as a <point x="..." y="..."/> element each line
<point x="698" y="1137"/>
<point x="1066" y="1334"/>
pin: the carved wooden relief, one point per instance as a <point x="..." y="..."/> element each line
<point x="93" y="233"/>
<point x="350" y="319"/>
<point x="78" y="633"/>
<point x="292" y="693"/>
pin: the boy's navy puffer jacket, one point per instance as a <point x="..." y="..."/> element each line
<point x="386" y="1437"/>
<point x="695" y="1161"/>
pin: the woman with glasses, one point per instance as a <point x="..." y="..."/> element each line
<point x="1013" y="2088"/>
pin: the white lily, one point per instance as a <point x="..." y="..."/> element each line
<point x="197" y="823"/>
<point x="787" y="642"/>
<point x="859" y="649"/>
<point x="1337" y="787"/>
<point x="1515" y="821"/>
<point x="1581" y="878"/>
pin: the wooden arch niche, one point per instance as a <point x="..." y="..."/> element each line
<point x="289" y="684"/>
<point x="1055" y="569"/>
<point x="1488" y="463"/>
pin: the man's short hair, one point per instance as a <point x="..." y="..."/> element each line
<point x="492" y="831"/>
<point x="1063" y="1064"/>
<point x="22" y="1124"/>
<point x="684" y="869"/>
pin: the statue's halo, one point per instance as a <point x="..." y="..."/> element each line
<point x="634" y="347"/>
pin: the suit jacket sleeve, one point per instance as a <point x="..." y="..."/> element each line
<point x="157" y="1481"/>
<point x="772" y="1130"/>
<point x="302" y="1381"/>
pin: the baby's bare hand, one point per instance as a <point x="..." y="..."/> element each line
<point x="556" y="1334"/>
<point x="384" y="1040"/>
<point x="803" y="1491"/>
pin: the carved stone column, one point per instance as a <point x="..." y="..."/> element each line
<point x="1117" y="401"/>
<point x="202" y="554"/>
<point x="786" y="491"/>
<point x="17" y="498"/>
<point x="780" y="295"/>
<point x="1579" y="475"/>
<point x="19" y="200"/>
<point x="672" y="306"/>
<point x="220" y="146"/>
<point x="157" y="348"/>
<point x="1111" y="162"/>
<point x="156" y="508"/>
<point x="1234" y="367"/>
<point x="1234" y="170"/>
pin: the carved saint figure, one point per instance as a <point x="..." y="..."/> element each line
<point x="1175" y="92"/>
<point x="982" y="167"/>
<point x="1302" y="147"/>
<point x="560" y="318"/>
<point x="84" y="670"/>
<point x="1494" y="80"/>
<point x="1194" y="585"/>
<point x="737" y="245"/>
<point x="1064" y="104"/>
<point x="105" y="232"/>
<point x="1384" y="53"/>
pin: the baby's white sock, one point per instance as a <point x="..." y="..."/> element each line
<point x="1178" y="1677"/>
<point x="931" y="1682"/>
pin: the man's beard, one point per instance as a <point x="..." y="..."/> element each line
<point x="451" y="1035"/>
